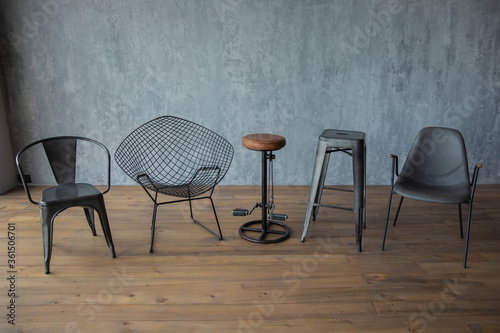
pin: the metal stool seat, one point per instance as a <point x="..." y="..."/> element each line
<point x="353" y="144"/>
<point x="264" y="230"/>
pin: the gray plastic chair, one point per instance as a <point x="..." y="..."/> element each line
<point x="175" y="157"/>
<point x="436" y="170"/>
<point x="61" y="153"/>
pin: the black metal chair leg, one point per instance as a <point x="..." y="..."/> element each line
<point x="387" y="220"/>
<point x="89" y="213"/>
<point x="103" y="217"/>
<point x="153" y="222"/>
<point x="397" y="212"/>
<point x="47" y="218"/>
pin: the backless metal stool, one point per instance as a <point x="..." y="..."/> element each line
<point x="353" y="144"/>
<point x="264" y="230"/>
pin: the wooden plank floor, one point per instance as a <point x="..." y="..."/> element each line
<point x="195" y="283"/>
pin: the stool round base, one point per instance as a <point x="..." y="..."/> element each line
<point x="261" y="238"/>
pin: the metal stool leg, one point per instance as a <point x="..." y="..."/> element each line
<point x="318" y="168"/>
<point x="321" y="185"/>
<point x="359" y="191"/>
<point x="364" y="186"/>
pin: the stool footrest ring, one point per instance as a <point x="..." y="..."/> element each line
<point x="256" y="227"/>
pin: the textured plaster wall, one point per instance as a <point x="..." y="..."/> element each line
<point x="7" y="167"/>
<point x="100" y="68"/>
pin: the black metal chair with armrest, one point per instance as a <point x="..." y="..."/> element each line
<point x="61" y="153"/>
<point x="436" y="170"/>
<point x="175" y="157"/>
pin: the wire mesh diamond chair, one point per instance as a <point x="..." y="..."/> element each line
<point x="178" y="158"/>
<point x="61" y="153"/>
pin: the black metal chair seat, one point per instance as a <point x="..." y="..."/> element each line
<point x="61" y="153"/>
<point x="175" y="157"/>
<point x="436" y="170"/>
<point x="68" y="193"/>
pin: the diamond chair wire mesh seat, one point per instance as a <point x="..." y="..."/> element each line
<point x="62" y="155"/>
<point x="178" y="158"/>
<point x="436" y="170"/>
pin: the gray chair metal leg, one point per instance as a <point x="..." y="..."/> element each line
<point x="467" y="235"/>
<point x="460" y="220"/>
<point x="397" y="212"/>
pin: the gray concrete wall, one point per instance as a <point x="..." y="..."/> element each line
<point x="8" y="177"/>
<point x="100" y="68"/>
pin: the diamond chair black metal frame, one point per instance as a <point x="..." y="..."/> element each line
<point x="436" y="170"/>
<point x="175" y="157"/>
<point x="61" y="153"/>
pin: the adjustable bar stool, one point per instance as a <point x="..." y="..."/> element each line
<point x="353" y="144"/>
<point x="265" y="230"/>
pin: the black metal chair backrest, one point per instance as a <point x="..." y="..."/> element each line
<point x="61" y="153"/>
<point x="175" y="156"/>
<point x="437" y="157"/>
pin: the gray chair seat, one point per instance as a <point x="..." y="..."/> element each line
<point x="446" y="194"/>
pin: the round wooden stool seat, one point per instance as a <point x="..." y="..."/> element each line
<point x="261" y="142"/>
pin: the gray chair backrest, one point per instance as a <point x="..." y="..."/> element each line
<point x="437" y="157"/>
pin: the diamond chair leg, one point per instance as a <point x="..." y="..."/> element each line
<point x="216" y="219"/>
<point x="153" y="226"/>
<point x="219" y="236"/>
